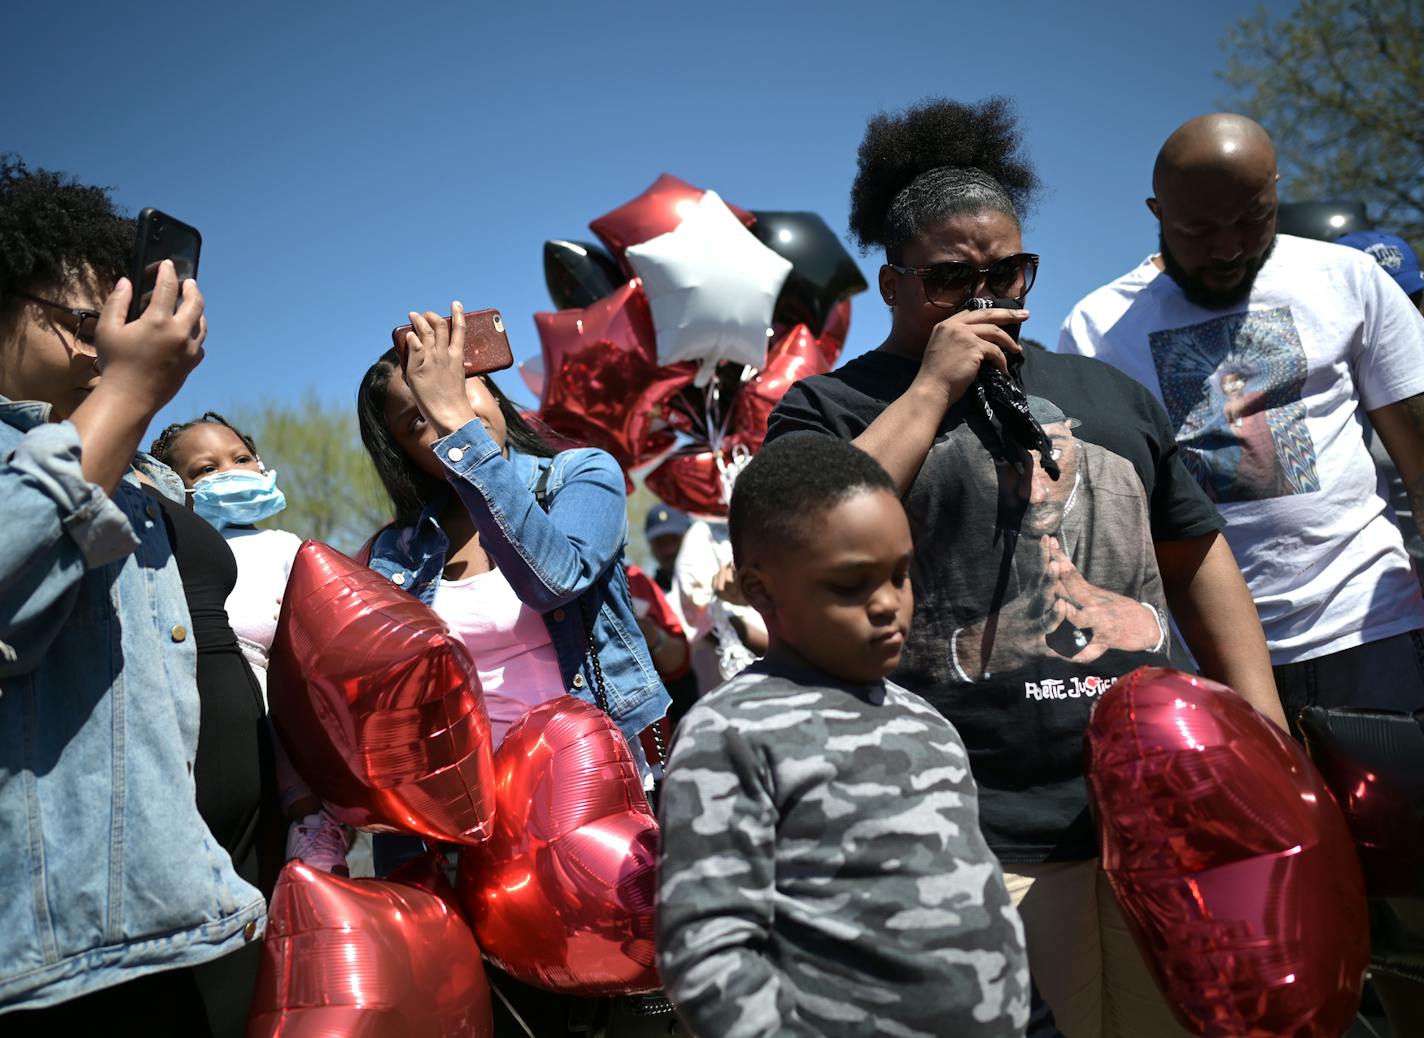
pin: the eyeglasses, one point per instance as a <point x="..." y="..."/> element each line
<point x="83" y="323"/>
<point x="950" y="284"/>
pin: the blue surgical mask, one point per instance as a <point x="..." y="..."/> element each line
<point x="238" y="497"/>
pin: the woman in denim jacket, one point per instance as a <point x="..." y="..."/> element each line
<point x="484" y="507"/>
<point x="112" y="889"/>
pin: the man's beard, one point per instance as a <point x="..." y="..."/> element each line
<point x="1198" y="293"/>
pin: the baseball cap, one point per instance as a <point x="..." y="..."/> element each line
<point x="663" y="520"/>
<point x="1390" y="252"/>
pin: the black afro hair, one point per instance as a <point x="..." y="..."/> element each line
<point x="790" y="482"/>
<point x="936" y="159"/>
<point x="51" y="228"/>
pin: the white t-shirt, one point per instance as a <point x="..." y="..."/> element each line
<point x="264" y="561"/>
<point x="706" y="549"/>
<point x="514" y="656"/>
<point x="1266" y="399"/>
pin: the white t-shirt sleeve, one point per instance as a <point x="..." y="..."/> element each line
<point x="697" y="566"/>
<point x="1388" y="360"/>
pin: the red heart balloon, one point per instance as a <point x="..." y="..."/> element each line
<point x="1230" y="858"/>
<point x="561" y="895"/>
<point x="656" y="211"/>
<point x="378" y="705"/>
<point x="374" y="958"/>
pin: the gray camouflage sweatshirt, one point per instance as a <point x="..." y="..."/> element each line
<point x="823" y="872"/>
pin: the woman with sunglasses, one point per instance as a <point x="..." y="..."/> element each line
<point x="1054" y="526"/>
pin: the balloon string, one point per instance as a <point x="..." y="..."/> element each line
<point x="512" y="1011"/>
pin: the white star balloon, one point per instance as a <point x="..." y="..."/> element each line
<point x="712" y="288"/>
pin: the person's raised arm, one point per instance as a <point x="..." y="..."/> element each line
<point x="901" y="436"/>
<point x="142" y="365"/>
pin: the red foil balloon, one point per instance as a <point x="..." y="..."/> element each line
<point x="377" y="705"/>
<point x="1229" y="857"/>
<point x="692" y="481"/>
<point x="656" y="211"/>
<point x="369" y="958"/>
<point x="602" y="383"/>
<point x="561" y="896"/>
<point x="796" y="355"/>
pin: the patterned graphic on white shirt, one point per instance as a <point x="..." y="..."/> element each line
<point x="1232" y="386"/>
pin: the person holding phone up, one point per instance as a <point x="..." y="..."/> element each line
<point x="517" y="547"/>
<point x="112" y="888"/>
<point x="1042" y="575"/>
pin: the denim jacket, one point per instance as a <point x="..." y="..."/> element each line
<point x="107" y="872"/>
<point x="567" y="562"/>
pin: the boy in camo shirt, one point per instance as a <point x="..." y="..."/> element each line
<point x="823" y="872"/>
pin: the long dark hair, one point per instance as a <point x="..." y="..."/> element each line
<point x="409" y="488"/>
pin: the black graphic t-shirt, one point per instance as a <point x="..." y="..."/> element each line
<point x="1032" y="595"/>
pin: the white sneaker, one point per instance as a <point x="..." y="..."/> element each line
<point x="319" y="841"/>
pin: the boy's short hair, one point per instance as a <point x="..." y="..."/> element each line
<point x="51" y="228"/>
<point x="790" y="482"/>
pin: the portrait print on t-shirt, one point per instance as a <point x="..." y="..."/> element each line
<point x="1057" y="595"/>
<point x="1232" y="386"/>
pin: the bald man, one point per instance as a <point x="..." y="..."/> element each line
<point x="1266" y="350"/>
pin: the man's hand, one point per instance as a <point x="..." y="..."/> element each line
<point x="724" y="586"/>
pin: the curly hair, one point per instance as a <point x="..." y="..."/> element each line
<point x="937" y="159"/>
<point x="162" y="446"/>
<point x="52" y="228"/>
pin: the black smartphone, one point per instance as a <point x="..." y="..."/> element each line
<point x="161" y="237"/>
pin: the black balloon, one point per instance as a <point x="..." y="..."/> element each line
<point x="822" y="271"/>
<point x="579" y="273"/>
<point x="1373" y="761"/>
<point x="1323" y="220"/>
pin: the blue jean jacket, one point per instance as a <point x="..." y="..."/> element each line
<point x="567" y="563"/>
<point x="107" y="872"/>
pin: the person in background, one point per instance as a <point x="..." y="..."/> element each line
<point x="823" y="873"/>
<point x="112" y="887"/>
<point x="667" y="644"/>
<point x="1400" y="262"/>
<point x="725" y="632"/>
<point x="1267" y="351"/>
<point x="664" y="529"/>
<point x="233" y="490"/>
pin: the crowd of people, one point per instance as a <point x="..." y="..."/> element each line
<point x="863" y="696"/>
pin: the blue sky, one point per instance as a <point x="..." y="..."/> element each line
<point x="348" y="162"/>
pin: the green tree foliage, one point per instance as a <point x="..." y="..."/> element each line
<point x="1340" y="86"/>
<point x="332" y="491"/>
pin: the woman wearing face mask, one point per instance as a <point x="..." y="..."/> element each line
<point x="518" y="548"/>
<point x="231" y="488"/>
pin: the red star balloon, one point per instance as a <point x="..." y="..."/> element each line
<point x="796" y="355"/>
<point x="693" y="481"/>
<point x="561" y="896"/>
<point x="602" y="384"/>
<point x="833" y="335"/>
<point x="378" y="705"/>
<point x="375" y="958"/>
<point x="1229" y="857"/>
<point x="656" y="211"/>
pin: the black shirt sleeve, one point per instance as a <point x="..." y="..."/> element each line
<point x="1180" y="507"/>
